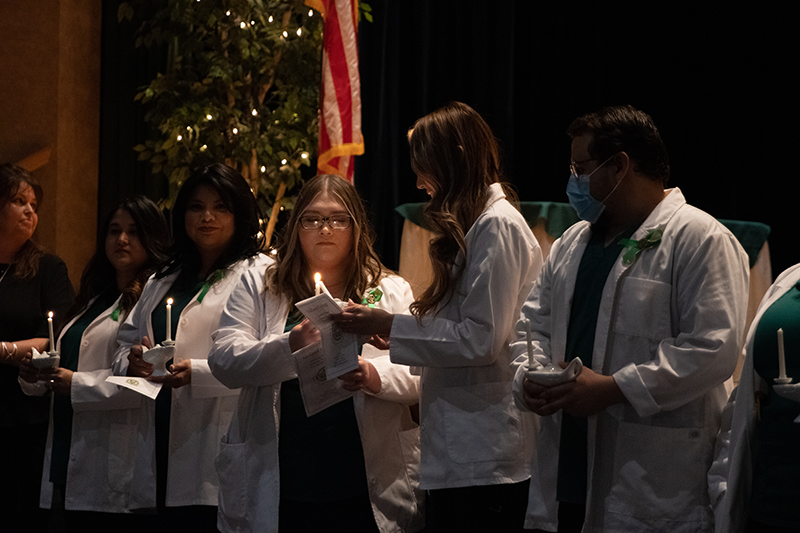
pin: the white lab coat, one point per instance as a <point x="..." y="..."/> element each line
<point x="251" y="352"/>
<point x="200" y="412"/>
<point x="472" y="433"/>
<point x="731" y="475"/>
<point x="104" y="417"/>
<point x="669" y="330"/>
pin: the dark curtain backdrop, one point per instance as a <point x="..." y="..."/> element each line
<point x="720" y="83"/>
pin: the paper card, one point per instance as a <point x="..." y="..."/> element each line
<point x="317" y="390"/>
<point x="340" y="349"/>
<point x="140" y="385"/>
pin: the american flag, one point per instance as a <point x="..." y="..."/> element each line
<point x="340" y="96"/>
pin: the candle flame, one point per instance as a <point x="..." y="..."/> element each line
<point x="317" y="277"/>
<point x="50" y="314"/>
<point x="169" y="301"/>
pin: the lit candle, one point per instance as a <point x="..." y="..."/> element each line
<point x="530" y="342"/>
<point x="319" y="286"/>
<point x="52" y="337"/>
<point x="169" y="319"/>
<point x="781" y="356"/>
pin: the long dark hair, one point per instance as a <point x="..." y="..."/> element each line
<point x="288" y="276"/>
<point x="235" y="193"/>
<point x="12" y="179"/>
<point x="455" y="149"/>
<point x="153" y="233"/>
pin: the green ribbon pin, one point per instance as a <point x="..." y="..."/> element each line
<point x="115" y="313"/>
<point x="374" y="296"/>
<point x="634" y="248"/>
<point x="210" y="280"/>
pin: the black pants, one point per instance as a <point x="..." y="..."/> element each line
<point x="353" y="515"/>
<point x="22" y="453"/>
<point x="495" y="508"/>
<point x="570" y="518"/>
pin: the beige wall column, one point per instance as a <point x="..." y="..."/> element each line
<point x="50" y="96"/>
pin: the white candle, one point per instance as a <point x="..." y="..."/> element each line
<point x="52" y="337"/>
<point x="530" y="342"/>
<point x="781" y="356"/>
<point x="319" y="286"/>
<point x="169" y="319"/>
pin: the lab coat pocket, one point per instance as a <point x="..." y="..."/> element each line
<point x="409" y="446"/>
<point x="231" y="466"/>
<point x="121" y="440"/>
<point x="481" y="423"/>
<point x="643" y="308"/>
<point x="659" y="473"/>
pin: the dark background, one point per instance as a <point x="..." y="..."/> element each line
<point x="720" y="83"/>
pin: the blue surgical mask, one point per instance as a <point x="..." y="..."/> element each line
<point x="580" y="196"/>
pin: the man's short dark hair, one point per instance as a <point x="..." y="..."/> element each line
<point x="625" y="129"/>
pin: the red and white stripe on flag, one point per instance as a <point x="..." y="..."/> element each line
<point x="340" y="95"/>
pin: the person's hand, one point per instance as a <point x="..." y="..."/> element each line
<point x="180" y="375"/>
<point x="27" y="371"/>
<point x="137" y="366"/>
<point x="379" y="341"/>
<point x="59" y="380"/>
<point x="303" y="334"/>
<point x="363" y="377"/>
<point x="364" y="320"/>
<point x="590" y="394"/>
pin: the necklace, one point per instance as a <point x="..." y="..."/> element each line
<point x="8" y="267"/>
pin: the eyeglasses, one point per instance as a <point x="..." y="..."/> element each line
<point x="572" y="164"/>
<point x="574" y="170"/>
<point x="318" y="222"/>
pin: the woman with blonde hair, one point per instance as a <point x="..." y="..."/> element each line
<point x="476" y="446"/>
<point x="353" y="466"/>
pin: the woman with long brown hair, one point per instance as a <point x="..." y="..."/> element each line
<point x="352" y="466"/>
<point x="476" y="446"/>
<point x="86" y="472"/>
<point x="32" y="283"/>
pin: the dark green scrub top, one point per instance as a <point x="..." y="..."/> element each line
<point x="595" y="266"/>
<point x="776" y="491"/>
<point x="62" y="405"/>
<point x="320" y="457"/>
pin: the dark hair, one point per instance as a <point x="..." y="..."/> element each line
<point x="455" y="149"/>
<point x="625" y="129"/>
<point x="12" y="179"/>
<point x="235" y="193"/>
<point x="288" y="276"/>
<point x="153" y="233"/>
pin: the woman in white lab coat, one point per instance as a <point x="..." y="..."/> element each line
<point x="215" y="225"/>
<point x="353" y="466"/>
<point x="476" y="445"/>
<point x="754" y="477"/>
<point x="88" y="463"/>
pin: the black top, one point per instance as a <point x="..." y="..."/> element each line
<point x="24" y="305"/>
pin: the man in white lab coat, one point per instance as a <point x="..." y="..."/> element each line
<point x="651" y="294"/>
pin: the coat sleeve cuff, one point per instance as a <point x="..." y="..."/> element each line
<point x="635" y="391"/>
